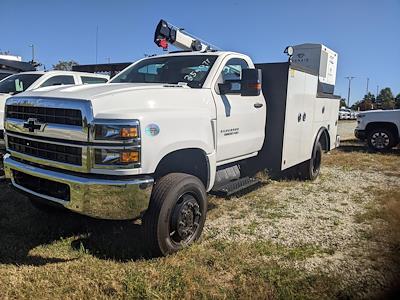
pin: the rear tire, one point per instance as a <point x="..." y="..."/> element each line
<point x="176" y="213"/>
<point x="380" y="139"/>
<point x="310" y="169"/>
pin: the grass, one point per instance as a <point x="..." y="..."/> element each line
<point x="69" y="256"/>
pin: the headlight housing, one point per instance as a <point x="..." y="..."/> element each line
<point x="117" y="157"/>
<point x="117" y="144"/>
<point x="116" y="132"/>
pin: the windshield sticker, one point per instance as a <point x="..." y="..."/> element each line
<point x="19" y="85"/>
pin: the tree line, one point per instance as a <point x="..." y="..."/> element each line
<point x="384" y="100"/>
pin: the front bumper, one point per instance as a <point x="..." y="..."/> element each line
<point x="113" y="199"/>
<point x="360" y="134"/>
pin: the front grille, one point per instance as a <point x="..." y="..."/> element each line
<point x="59" y="153"/>
<point x="42" y="186"/>
<point x="45" y="114"/>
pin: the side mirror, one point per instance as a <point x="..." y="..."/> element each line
<point x="251" y="82"/>
<point x="225" y="88"/>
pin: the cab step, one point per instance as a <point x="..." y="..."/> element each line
<point x="245" y="184"/>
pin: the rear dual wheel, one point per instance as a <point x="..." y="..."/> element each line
<point x="176" y="214"/>
<point x="310" y="169"/>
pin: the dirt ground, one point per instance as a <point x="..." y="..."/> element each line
<point x="346" y="129"/>
<point x="337" y="237"/>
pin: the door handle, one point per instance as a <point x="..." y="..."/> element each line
<point x="258" y="105"/>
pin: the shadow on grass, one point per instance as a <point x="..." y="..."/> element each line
<point x="23" y="228"/>
<point x="361" y="147"/>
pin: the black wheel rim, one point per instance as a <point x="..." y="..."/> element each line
<point x="185" y="219"/>
<point x="316" y="162"/>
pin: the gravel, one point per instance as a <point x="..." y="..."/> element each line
<point x="320" y="214"/>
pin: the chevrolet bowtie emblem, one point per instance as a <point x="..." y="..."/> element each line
<point x="33" y="124"/>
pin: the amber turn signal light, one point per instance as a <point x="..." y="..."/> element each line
<point x="129" y="132"/>
<point x="128" y="157"/>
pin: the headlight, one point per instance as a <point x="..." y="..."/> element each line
<point x="361" y="115"/>
<point x="110" y="157"/>
<point x="116" y="132"/>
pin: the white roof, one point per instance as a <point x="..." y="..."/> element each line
<point x="55" y="72"/>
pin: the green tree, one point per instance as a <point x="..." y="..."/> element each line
<point x="356" y="105"/>
<point x="343" y="102"/>
<point x="385" y="99"/>
<point x="65" y="65"/>
<point x="397" y="100"/>
<point x="370" y="97"/>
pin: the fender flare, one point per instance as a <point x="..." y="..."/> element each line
<point x="318" y="137"/>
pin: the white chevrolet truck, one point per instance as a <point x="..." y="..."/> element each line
<point x="380" y="128"/>
<point x="27" y="81"/>
<point x="167" y="130"/>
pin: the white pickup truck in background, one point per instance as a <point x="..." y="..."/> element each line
<point x="168" y="129"/>
<point x="28" y="81"/>
<point x="380" y="128"/>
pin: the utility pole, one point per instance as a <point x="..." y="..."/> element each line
<point x="367" y="86"/>
<point x="33" y="51"/>
<point x="377" y="91"/>
<point x="108" y="59"/>
<point x="350" y="78"/>
<point x="97" y="41"/>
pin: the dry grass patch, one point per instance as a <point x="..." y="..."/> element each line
<point x="336" y="237"/>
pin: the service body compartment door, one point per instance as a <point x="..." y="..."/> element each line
<point x="292" y="140"/>
<point x="307" y="122"/>
<point x="240" y="119"/>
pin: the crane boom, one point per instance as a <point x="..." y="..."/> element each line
<point x="167" y="33"/>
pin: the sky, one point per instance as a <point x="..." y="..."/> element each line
<point x="365" y="33"/>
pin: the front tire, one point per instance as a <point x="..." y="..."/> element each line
<point x="176" y="214"/>
<point x="380" y="139"/>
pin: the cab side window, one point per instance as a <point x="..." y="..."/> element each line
<point x="233" y="72"/>
<point x="93" y="80"/>
<point x="59" y="80"/>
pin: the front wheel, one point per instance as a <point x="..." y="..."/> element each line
<point x="176" y="214"/>
<point x="380" y="139"/>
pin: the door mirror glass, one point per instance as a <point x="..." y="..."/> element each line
<point x="230" y="87"/>
<point x="251" y="82"/>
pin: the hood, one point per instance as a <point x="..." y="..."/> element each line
<point x="380" y="111"/>
<point x="3" y="98"/>
<point x="89" y="91"/>
<point x="122" y="100"/>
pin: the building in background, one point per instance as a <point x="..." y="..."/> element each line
<point x="12" y="64"/>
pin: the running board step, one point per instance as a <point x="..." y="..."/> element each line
<point x="239" y="185"/>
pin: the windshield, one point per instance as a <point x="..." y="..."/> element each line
<point x="191" y="69"/>
<point x="18" y="83"/>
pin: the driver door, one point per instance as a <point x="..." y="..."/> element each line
<point x="240" y="119"/>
